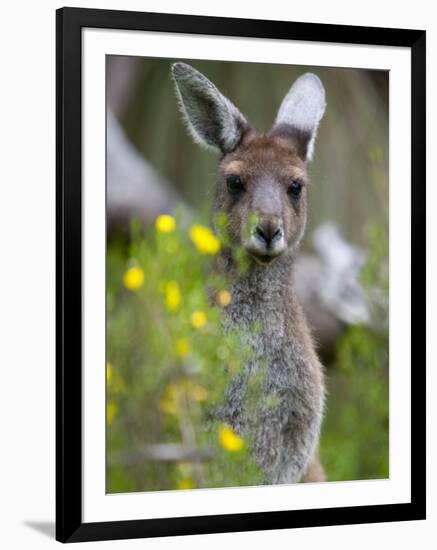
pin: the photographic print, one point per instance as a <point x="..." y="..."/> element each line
<point x="240" y="275"/>
<point x="247" y="274"/>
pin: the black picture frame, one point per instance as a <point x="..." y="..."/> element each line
<point x="69" y="24"/>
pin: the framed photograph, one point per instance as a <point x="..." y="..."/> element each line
<point x="240" y="275"/>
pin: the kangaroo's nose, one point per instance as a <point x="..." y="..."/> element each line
<point x="268" y="232"/>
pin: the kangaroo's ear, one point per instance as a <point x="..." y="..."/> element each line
<point x="212" y="119"/>
<point x="300" y="113"/>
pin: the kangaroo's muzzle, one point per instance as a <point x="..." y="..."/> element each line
<point x="266" y="241"/>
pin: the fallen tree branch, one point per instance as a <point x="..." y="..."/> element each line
<point x="164" y="452"/>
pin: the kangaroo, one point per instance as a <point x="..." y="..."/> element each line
<point x="262" y="189"/>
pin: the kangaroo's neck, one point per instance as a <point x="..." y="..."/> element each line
<point x="263" y="290"/>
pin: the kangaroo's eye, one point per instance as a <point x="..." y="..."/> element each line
<point x="234" y="184"/>
<point x="295" y="188"/>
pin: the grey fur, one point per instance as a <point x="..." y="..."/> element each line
<point x="284" y="435"/>
<point x="284" y="425"/>
<point x="211" y="118"/>
<point x="303" y="107"/>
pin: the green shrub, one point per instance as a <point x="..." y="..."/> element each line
<point x="169" y="362"/>
<point x="355" y="437"/>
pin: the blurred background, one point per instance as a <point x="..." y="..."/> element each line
<point x="164" y="371"/>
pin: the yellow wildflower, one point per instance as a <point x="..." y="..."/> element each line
<point x="111" y="410"/>
<point x="183" y="347"/>
<point x="168" y="403"/>
<point x="229" y="440"/>
<point x="165" y="224"/>
<point x="108" y="373"/>
<point x="133" y="279"/>
<point x="204" y="240"/>
<point x="193" y="391"/>
<point x="198" y="392"/>
<point x="178" y="393"/>
<point x="198" y="319"/>
<point x="224" y="298"/>
<point x="172" y="296"/>
<point x="185" y="483"/>
<point x="114" y="380"/>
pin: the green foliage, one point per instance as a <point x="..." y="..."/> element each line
<point x="169" y="362"/>
<point x="355" y="439"/>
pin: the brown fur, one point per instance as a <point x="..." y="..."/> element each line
<point x="256" y="186"/>
<point x="285" y="439"/>
<point x="261" y="156"/>
<point x="315" y="471"/>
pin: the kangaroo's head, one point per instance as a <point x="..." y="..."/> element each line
<point x="262" y="178"/>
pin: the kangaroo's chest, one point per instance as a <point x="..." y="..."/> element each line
<point x="264" y="325"/>
<point x="269" y="354"/>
